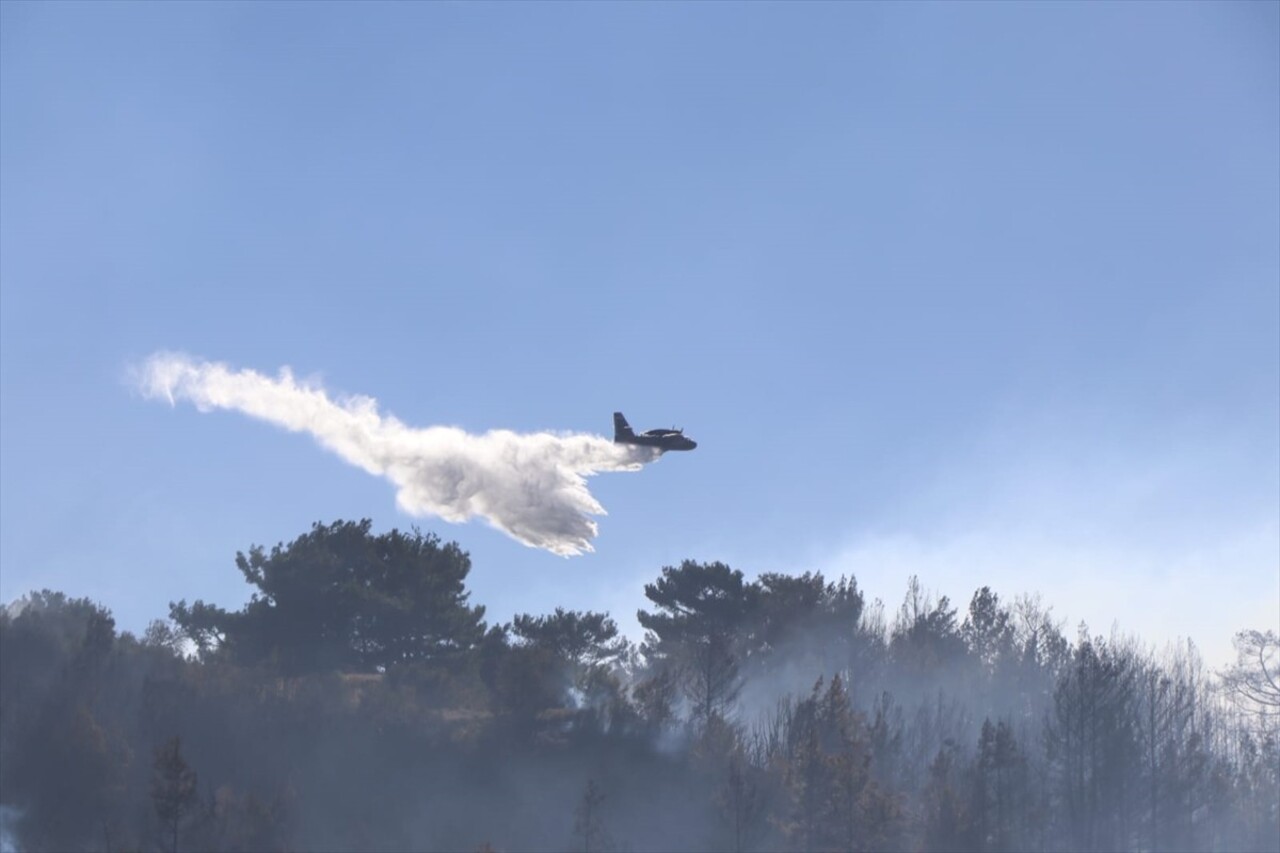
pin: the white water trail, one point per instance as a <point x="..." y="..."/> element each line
<point x="531" y="486"/>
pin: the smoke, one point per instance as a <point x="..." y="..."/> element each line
<point x="530" y="486"/>
<point x="9" y="816"/>
<point x="13" y="610"/>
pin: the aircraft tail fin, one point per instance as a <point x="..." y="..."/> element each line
<point x="621" y="429"/>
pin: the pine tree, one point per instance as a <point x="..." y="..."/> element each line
<point x="173" y="788"/>
<point x="588" y="823"/>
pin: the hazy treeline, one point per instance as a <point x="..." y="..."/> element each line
<point x="360" y="702"/>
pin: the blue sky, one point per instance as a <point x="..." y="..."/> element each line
<point x="990" y="293"/>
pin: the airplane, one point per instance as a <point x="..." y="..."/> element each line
<point x="663" y="439"/>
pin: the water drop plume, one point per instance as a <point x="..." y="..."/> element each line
<point x="531" y="486"/>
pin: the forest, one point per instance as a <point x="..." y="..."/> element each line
<point x="359" y="701"/>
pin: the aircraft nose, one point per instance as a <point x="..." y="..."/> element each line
<point x="692" y="444"/>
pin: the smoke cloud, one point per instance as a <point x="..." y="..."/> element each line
<point x="9" y="816"/>
<point x="530" y="486"/>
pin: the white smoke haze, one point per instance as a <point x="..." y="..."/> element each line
<point x="9" y="816"/>
<point x="530" y="486"/>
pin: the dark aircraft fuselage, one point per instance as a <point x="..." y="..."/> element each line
<point x="663" y="439"/>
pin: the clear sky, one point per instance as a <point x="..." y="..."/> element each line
<point x="989" y="293"/>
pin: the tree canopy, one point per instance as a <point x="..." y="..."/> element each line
<point x="358" y="701"/>
<point x="339" y="597"/>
